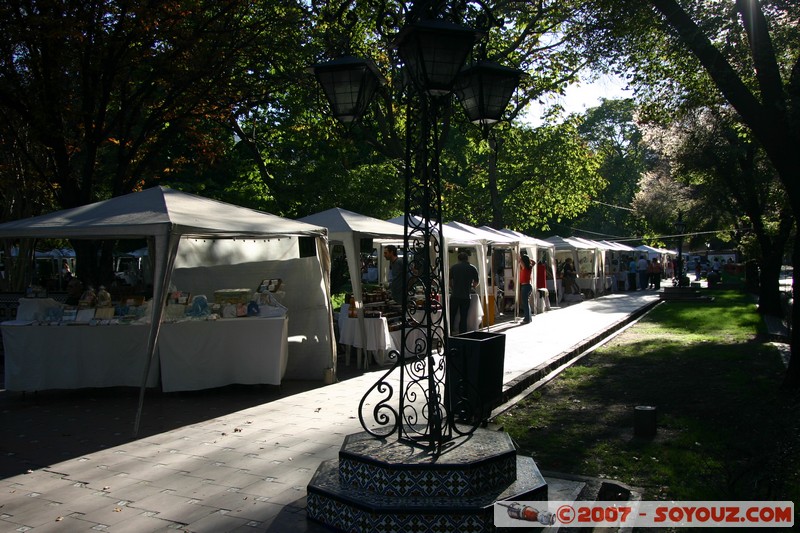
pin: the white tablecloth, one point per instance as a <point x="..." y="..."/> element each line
<point x="74" y="357"/>
<point x="192" y="355"/>
<point x="377" y="330"/>
<point x="380" y="341"/>
<point x="206" y="354"/>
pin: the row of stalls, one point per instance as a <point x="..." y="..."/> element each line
<point x="602" y="266"/>
<point x="371" y="326"/>
<point x="242" y="296"/>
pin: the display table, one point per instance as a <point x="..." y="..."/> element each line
<point x="75" y="357"/>
<point x="193" y="355"/>
<point x="206" y="354"/>
<point x="379" y="339"/>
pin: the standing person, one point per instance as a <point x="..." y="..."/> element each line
<point x="525" y="289"/>
<point x="463" y="278"/>
<point x="658" y="272"/>
<point x="541" y="284"/>
<point x="570" y="277"/>
<point x="632" y="274"/>
<point x="651" y="274"/>
<point x="395" y="273"/>
<point x="65" y="270"/>
<point x="641" y="267"/>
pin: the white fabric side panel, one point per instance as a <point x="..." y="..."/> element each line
<point x="483" y="288"/>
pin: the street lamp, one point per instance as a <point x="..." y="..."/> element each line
<point x="433" y="49"/>
<point x="680" y="228"/>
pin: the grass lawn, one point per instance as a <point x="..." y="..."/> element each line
<point x="725" y="430"/>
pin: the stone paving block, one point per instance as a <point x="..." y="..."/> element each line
<point x="217" y="522"/>
<point x="258" y="511"/>
<point x="142" y="523"/>
<point x="173" y="508"/>
<point x="58" y="524"/>
<point x="133" y="492"/>
<point x="31" y="510"/>
<point x="114" y="513"/>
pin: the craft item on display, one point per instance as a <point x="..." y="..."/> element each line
<point x="199" y="306"/>
<point x="84" y="316"/>
<point x="270" y="285"/>
<point x="104" y="313"/>
<point x="88" y="299"/>
<point x="269" y="306"/>
<point x="232" y="296"/>
<point x="174" y="311"/>
<point x="229" y="311"/>
<point x="103" y="297"/>
<point x="241" y="310"/>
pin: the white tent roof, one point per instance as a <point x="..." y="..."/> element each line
<point x="618" y="246"/>
<point x="594" y="244"/>
<point x="526" y="239"/>
<point x="488" y="237"/>
<point x="562" y="243"/>
<point x="342" y="223"/>
<point x="453" y="236"/>
<point x="156" y="211"/>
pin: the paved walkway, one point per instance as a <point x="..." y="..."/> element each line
<point x="231" y="460"/>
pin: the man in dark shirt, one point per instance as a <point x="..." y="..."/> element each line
<point x="395" y="272"/>
<point x="463" y="278"/>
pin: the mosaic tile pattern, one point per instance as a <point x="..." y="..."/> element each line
<point x="429" y="481"/>
<point x="353" y="510"/>
<point x="344" y="517"/>
<point x="470" y="465"/>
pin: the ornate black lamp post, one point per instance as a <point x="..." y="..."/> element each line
<point x="434" y="49"/>
<point x="680" y="228"/>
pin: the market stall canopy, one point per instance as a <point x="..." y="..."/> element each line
<point x="453" y="236"/>
<point x="488" y="237"/>
<point x="350" y="228"/>
<point x="156" y="211"/>
<point x="168" y="216"/>
<point x="342" y="224"/>
<point x="567" y="244"/>
<point x="618" y="246"/>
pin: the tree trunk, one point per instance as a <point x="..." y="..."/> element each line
<point x="769" y="298"/>
<point x="498" y="221"/>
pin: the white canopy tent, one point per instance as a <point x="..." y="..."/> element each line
<point x="204" y="237"/>
<point x="539" y="248"/>
<point x="457" y="238"/>
<point x="349" y="228"/>
<point x="487" y="240"/>
<point x="601" y="263"/>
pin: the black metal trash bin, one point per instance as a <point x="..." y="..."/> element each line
<point x="475" y="374"/>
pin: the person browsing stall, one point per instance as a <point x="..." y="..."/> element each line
<point x="541" y="284"/>
<point x="395" y="272"/>
<point x="525" y="288"/>
<point x="463" y="278"/>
